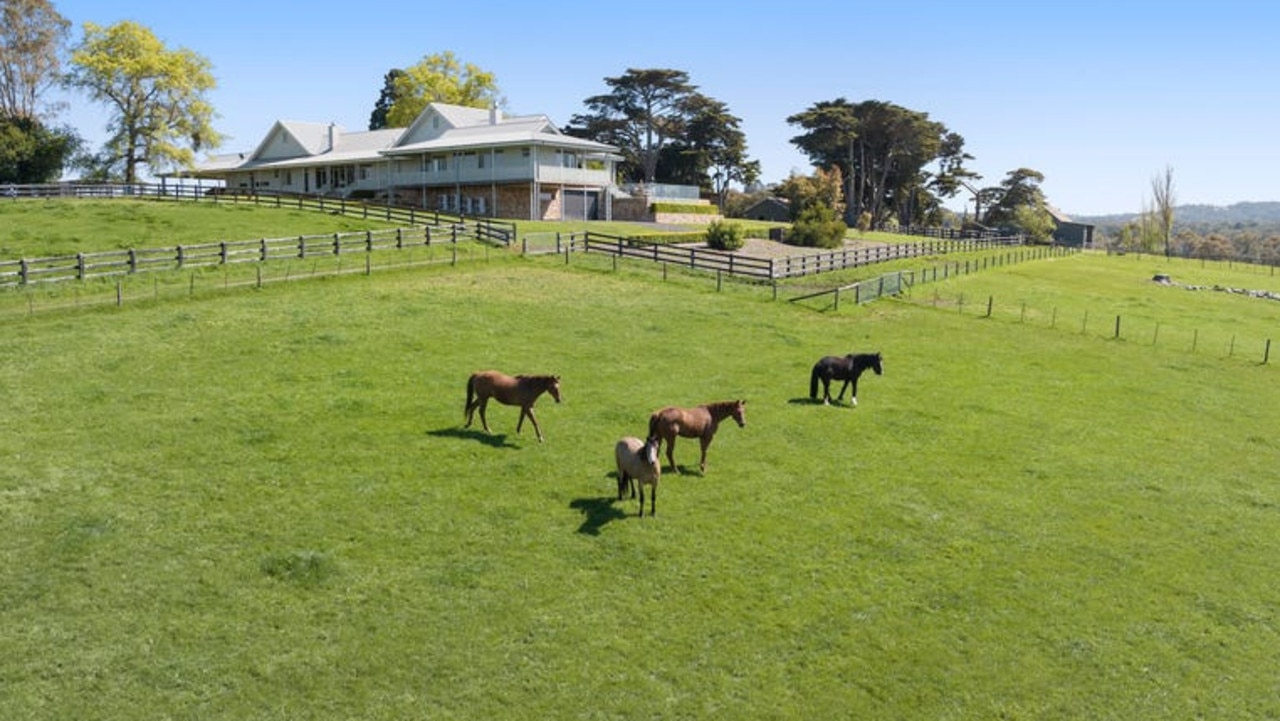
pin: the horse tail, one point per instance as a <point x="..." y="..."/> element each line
<point x="471" y="393"/>
<point x="653" y="425"/>
<point x="813" y="381"/>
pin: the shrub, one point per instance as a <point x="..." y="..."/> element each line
<point x="687" y="208"/>
<point x="817" y="227"/>
<point x="725" y="236"/>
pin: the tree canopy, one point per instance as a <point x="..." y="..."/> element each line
<point x="643" y="112"/>
<point x="386" y="99"/>
<point x="882" y="149"/>
<point x="160" y="117"/>
<point x="439" y="78"/>
<point x="667" y="131"/>
<point x="30" y="152"/>
<point x="1019" y="189"/>
<point x="32" y="36"/>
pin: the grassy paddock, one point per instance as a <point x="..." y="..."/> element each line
<point x="53" y="227"/>
<point x="1102" y="296"/>
<point x="262" y="505"/>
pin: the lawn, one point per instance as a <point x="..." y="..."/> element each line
<point x="53" y="227"/>
<point x="261" y="504"/>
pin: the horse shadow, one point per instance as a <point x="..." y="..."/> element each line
<point x="498" y="440"/>
<point x="596" y="512"/>
<point x="807" y="401"/>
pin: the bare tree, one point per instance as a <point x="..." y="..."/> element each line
<point x="1163" y="196"/>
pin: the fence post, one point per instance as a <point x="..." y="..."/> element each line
<point x="80" y="266"/>
<point x="337" y="244"/>
<point x="990" y="300"/>
<point x="837" y="294"/>
<point x="1117" y="326"/>
<point x="1266" y="356"/>
<point x="262" y="255"/>
<point x="133" y="261"/>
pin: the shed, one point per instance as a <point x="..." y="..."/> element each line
<point x="1068" y="232"/>
<point x="776" y="210"/>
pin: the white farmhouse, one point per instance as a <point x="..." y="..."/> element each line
<point x="455" y="159"/>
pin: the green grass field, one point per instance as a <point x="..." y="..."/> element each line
<point x="261" y="504"/>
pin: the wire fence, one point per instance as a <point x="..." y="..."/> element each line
<point x="1103" y="324"/>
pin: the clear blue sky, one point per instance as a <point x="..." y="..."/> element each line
<point x="1098" y="96"/>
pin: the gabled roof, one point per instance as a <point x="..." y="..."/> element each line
<point x="1060" y="217"/>
<point x="309" y="144"/>
<point x="475" y="127"/>
<point x="314" y="140"/>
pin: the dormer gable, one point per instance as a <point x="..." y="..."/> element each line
<point x="289" y="139"/>
<point x="439" y="118"/>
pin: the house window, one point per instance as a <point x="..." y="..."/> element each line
<point x="441" y="163"/>
<point x="569" y="160"/>
<point x="288" y="177"/>
<point x="322" y="177"/>
<point x="481" y="160"/>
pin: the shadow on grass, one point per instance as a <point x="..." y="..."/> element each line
<point x="817" y="402"/>
<point x="496" y="440"/>
<point x="596" y="512"/>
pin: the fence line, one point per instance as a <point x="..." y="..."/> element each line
<point x="83" y="266"/>
<point x="1106" y="326"/>
<point x="492" y="229"/>
<point x="733" y="264"/>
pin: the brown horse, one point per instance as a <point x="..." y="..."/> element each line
<point x="700" y="422"/>
<point x="520" y="391"/>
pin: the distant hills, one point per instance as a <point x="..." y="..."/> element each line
<point x="1236" y="215"/>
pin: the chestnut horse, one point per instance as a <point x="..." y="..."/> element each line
<point x="700" y="422"/>
<point x="837" y="368"/>
<point x="520" y="391"/>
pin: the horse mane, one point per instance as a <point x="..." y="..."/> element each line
<point x="720" y="405"/>
<point x="539" y="378"/>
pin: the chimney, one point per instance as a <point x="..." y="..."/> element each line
<point x="493" y="114"/>
<point x="333" y="137"/>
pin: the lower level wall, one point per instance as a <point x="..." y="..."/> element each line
<point x="497" y="201"/>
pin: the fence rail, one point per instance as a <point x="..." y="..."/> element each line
<point x="82" y="266"/>
<point x="491" y="229"/>
<point x="716" y="261"/>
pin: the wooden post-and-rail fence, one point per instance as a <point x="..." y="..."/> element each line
<point x="734" y="264"/>
<point x="82" y="266"/>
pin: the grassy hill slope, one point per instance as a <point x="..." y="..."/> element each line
<point x="263" y="505"/>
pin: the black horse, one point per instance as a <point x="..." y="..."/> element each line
<point x="837" y="368"/>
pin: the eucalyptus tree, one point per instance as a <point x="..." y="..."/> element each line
<point x="157" y="96"/>
<point x="32" y="38"/>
